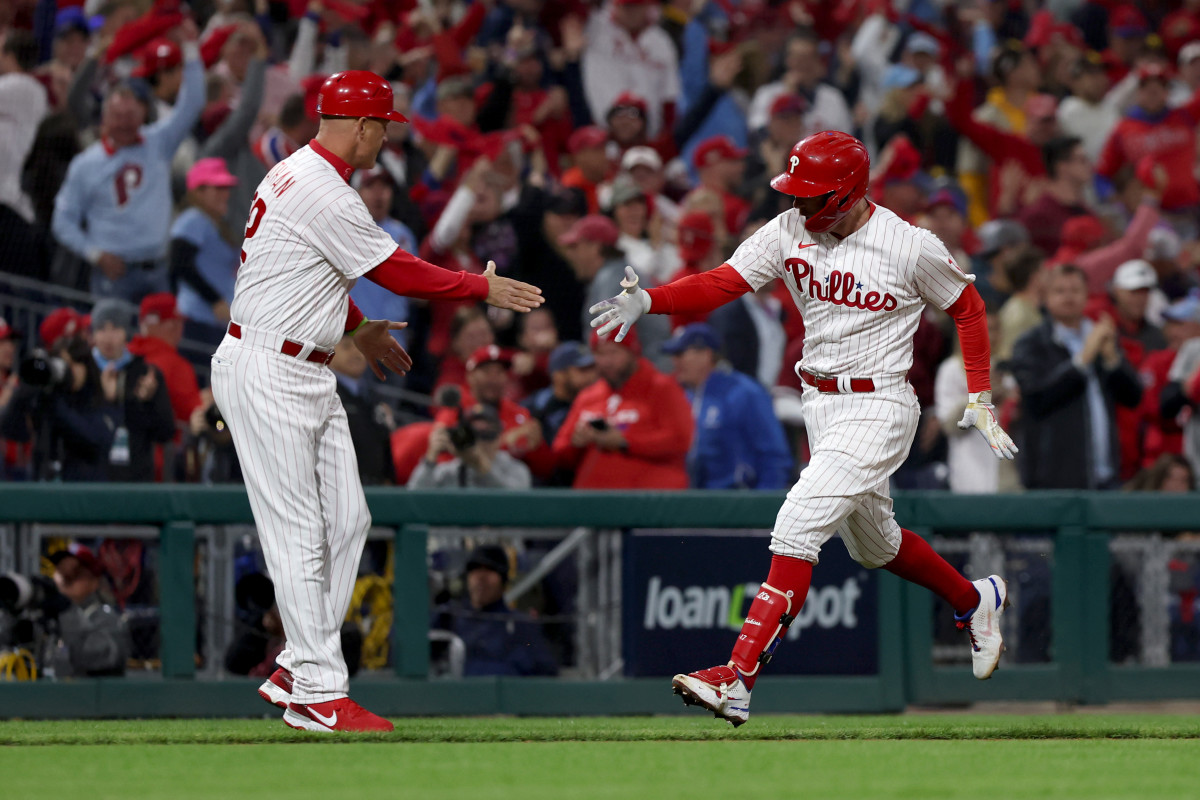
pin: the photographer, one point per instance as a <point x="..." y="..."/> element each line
<point x="478" y="460"/>
<point x="95" y="636"/>
<point x="59" y="406"/>
<point x="14" y="456"/>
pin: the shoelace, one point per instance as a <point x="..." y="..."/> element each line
<point x="966" y="625"/>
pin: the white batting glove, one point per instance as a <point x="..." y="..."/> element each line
<point x="981" y="414"/>
<point x="622" y="310"/>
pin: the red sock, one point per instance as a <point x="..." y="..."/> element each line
<point x="787" y="574"/>
<point x="917" y="562"/>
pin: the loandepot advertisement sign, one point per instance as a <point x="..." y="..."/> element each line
<point x="686" y="594"/>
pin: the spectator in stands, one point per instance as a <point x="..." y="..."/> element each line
<point x="162" y="68"/>
<point x="591" y="167"/>
<point x="641" y="239"/>
<point x="999" y="242"/>
<point x="95" y="638"/>
<point x="804" y="75"/>
<point x="1022" y="311"/>
<point x="498" y="639"/>
<point x="371" y="421"/>
<point x="591" y="247"/>
<point x="753" y="333"/>
<point x="469" y="331"/>
<point x="1163" y="399"/>
<point x="113" y="209"/>
<point x="768" y="157"/>
<point x="627" y="52"/>
<point x="738" y="442"/>
<point x="296" y="126"/>
<point x="24" y="102"/>
<point x="537" y="337"/>
<point x="1069" y="173"/>
<point x="139" y="408"/>
<point x="376" y="190"/>
<point x="1130" y="294"/>
<point x="1088" y="243"/>
<point x="161" y="330"/>
<point x="1188" y="82"/>
<point x="945" y="215"/>
<point x="540" y="220"/>
<point x="699" y="252"/>
<point x="572" y="369"/>
<point x="488" y="380"/>
<point x="477" y="461"/>
<point x="1183" y="391"/>
<point x="1166" y="137"/>
<point x="1071" y="374"/>
<point x="203" y="253"/>
<point x="645" y="166"/>
<point x="14" y="456"/>
<point x="630" y="429"/>
<point x="720" y="165"/>
<point x="1168" y="473"/>
<point x="1092" y="110"/>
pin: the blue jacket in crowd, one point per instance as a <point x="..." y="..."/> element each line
<point x="739" y="443"/>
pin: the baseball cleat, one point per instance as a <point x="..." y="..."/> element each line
<point x="277" y="689"/>
<point x="983" y="625"/>
<point x="338" y="715"/>
<point x="719" y="689"/>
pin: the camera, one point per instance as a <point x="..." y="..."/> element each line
<point x="598" y="424"/>
<point x="19" y="593"/>
<point x="462" y="435"/>
<point x="44" y="371"/>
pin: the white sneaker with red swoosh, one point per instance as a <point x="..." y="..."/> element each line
<point x="277" y="689"/>
<point x="719" y="689"/>
<point x="983" y="624"/>
<point x="342" y="714"/>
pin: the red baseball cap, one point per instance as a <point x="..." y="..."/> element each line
<point x="592" y="228"/>
<point x="59" y="323"/>
<point x="630" y="341"/>
<point x="589" y="136"/>
<point x="85" y="555"/>
<point x="716" y="148"/>
<point x="696" y="234"/>
<point x="160" y="55"/>
<point x="158" y="307"/>
<point x="491" y="354"/>
<point x="1127" y="21"/>
<point x="1153" y="72"/>
<point x="788" y="104"/>
<point x="1083" y="232"/>
<point x="629" y="100"/>
<point x="6" y="331"/>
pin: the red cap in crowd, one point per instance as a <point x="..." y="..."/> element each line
<point x="589" y="136"/>
<point x="696" y="234"/>
<point x="1127" y="21"/>
<point x="59" y="323"/>
<point x="1153" y="72"/>
<point x="715" y="149"/>
<point x="629" y="100"/>
<point x="135" y="35"/>
<point x="159" y="56"/>
<point x="1083" y="232"/>
<point x="81" y="552"/>
<point x="158" y="307"/>
<point x="630" y="341"/>
<point x="592" y="228"/>
<point x="788" y="104"/>
<point x="7" y="332"/>
<point x="490" y="354"/>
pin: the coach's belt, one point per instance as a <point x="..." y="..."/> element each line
<point x="290" y="348"/>
<point x="836" y="385"/>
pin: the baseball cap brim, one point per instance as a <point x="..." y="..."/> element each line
<point x="393" y="116"/>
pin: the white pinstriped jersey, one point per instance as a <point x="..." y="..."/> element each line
<point x="861" y="297"/>
<point x="308" y="238"/>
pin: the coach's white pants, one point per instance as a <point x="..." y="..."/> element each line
<point x="293" y="442"/>
<point x="857" y="442"/>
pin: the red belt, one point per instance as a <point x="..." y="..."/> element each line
<point x="830" y="385"/>
<point x="290" y="348"/>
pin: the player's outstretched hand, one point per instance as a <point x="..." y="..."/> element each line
<point x="981" y="414"/>
<point x="374" y="340"/>
<point x="621" y="311"/>
<point x="507" y="293"/>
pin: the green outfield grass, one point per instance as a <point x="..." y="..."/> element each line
<point x="913" y="756"/>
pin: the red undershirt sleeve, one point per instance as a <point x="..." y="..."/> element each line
<point x="354" y="317"/>
<point x="703" y="292"/>
<point x="405" y="274"/>
<point x="970" y="318"/>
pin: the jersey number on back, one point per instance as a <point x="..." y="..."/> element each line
<point x="257" y="209"/>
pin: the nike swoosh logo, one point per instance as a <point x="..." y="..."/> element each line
<point x="328" y="722"/>
<point x="802" y="246"/>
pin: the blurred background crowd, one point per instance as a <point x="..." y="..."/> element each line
<point x="1050" y="144"/>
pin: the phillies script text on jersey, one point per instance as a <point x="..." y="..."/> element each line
<point x="842" y="289"/>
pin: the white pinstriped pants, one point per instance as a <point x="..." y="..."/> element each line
<point x="857" y="442"/>
<point x="293" y="442"/>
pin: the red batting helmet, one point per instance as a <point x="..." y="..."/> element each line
<point x="358" y="93"/>
<point x="827" y="163"/>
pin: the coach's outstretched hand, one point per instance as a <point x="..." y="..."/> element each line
<point x="374" y="340"/>
<point x="622" y="310"/>
<point x="507" y="293"/>
<point x="981" y="414"/>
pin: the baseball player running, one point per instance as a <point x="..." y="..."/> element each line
<point x="309" y="237"/>
<point x="860" y="276"/>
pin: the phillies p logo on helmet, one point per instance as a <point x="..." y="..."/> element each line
<point x="795" y="162"/>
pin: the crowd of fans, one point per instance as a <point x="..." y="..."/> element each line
<point x="1051" y="145"/>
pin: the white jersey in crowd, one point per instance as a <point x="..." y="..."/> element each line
<point x="861" y="297"/>
<point x="308" y="239"/>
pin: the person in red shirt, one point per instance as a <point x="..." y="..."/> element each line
<point x="587" y="147"/>
<point x="1163" y="433"/>
<point x="720" y="165"/>
<point x="629" y="430"/>
<point x="1160" y="134"/>
<point x="161" y="329"/>
<point x="698" y="250"/>
<point x="1127" y="29"/>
